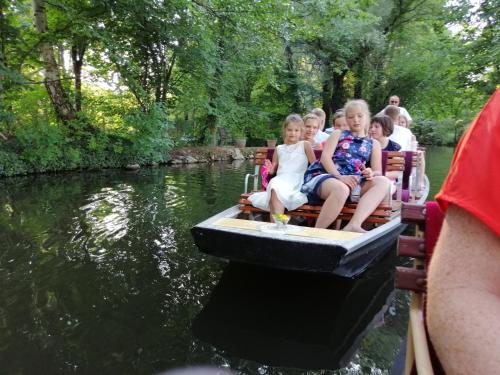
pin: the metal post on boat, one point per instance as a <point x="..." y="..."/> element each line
<point x="414" y="172"/>
<point x="399" y="188"/>
<point x="256" y="177"/>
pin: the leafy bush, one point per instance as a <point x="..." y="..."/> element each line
<point x="147" y="135"/>
<point x="424" y="131"/>
<point x="11" y="164"/>
<point x="445" y="132"/>
<point x="42" y="145"/>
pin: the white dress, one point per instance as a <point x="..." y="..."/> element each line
<point x="292" y="164"/>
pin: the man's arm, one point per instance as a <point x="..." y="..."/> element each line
<point x="463" y="310"/>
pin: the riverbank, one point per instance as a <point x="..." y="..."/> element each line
<point x="188" y="155"/>
<point x="13" y="164"/>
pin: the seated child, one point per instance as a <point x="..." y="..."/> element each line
<point x="339" y="121"/>
<point x="403" y="121"/>
<point x="343" y="169"/>
<point x="401" y="135"/>
<point x="290" y="161"/>
<point x="320" y="136"/>
<point x="311" y="128"/>
<point x="381" y="127"/>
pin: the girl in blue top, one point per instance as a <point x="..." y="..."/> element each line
<point x="349" y="157"/>
<point x="381" y="128"/>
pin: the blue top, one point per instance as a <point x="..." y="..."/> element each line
<point x="392" y="146"/>
<point x="351" y="153"/>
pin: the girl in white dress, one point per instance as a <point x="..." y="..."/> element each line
<point x="290" y="161"/>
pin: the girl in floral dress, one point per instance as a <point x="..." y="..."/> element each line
<point x="349" y="158"/>
<point x="290" y="161"/>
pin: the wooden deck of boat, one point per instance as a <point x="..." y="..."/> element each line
<point x="293" y="230"/>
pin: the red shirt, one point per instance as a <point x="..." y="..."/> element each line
<point x="473" y="182"/>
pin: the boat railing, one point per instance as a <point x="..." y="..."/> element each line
<point x="420" y="358"/>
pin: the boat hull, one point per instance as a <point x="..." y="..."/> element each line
<point x="344" y="258"/>
<point x="284" y="254"/>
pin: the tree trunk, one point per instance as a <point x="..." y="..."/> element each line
<point x="166" y="77"/>
<point x="358" y="87"/>
<point x="77" y="53"/>
<point x="58" y="96"/>
<point x="3" y="26"/>
<point x="7" y="120"/>
<point x="213" y="92"/>
<point x="338" y="92"/>
<point x="60" y="57"/>
<point x="326" y="93"/>
<point x="292" y="78"/>
<point x="3" y="63"/>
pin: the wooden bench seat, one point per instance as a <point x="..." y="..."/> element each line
<point x="382" y="213"/>
<point x="392" y="161"/>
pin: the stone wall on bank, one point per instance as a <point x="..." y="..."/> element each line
<point x="188" y="155"/>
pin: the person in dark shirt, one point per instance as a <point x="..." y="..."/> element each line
<point x="381" y="128"/>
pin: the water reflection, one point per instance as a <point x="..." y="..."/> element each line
<point x="107" y="212"/>
<point x="98" y="270"/>
<point x="99" y="274"/>
<point x="237" y="163"/>
<point x="293" y="320"/>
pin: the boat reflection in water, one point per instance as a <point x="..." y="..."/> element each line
<point x="292" y="319"/>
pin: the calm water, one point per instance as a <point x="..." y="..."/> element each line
<point x="99" y="274"/>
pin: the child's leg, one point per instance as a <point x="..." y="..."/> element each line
<point x="372" y="193"/>
<point x="275" y="205"/>
<point x="335" y="193"/>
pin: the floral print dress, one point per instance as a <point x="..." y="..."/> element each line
<point x="351" y="153"/>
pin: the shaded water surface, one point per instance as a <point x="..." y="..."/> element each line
<point x="99" y="274"/>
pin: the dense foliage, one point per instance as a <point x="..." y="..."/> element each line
<point x="103" y="83"/>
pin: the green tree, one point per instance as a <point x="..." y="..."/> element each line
<point x="58" y="95"/>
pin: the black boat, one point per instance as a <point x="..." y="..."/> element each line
<point x="294" y="247"/>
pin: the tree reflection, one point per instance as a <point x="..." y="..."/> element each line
<point x="99" y="272"/>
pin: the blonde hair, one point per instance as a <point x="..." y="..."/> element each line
<point x="318" y="112"/>
<point x="311" y="116"/>
<point x="361" y="104"/>
<point x="293" y="118"/>
<point x="321" y="117"/>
